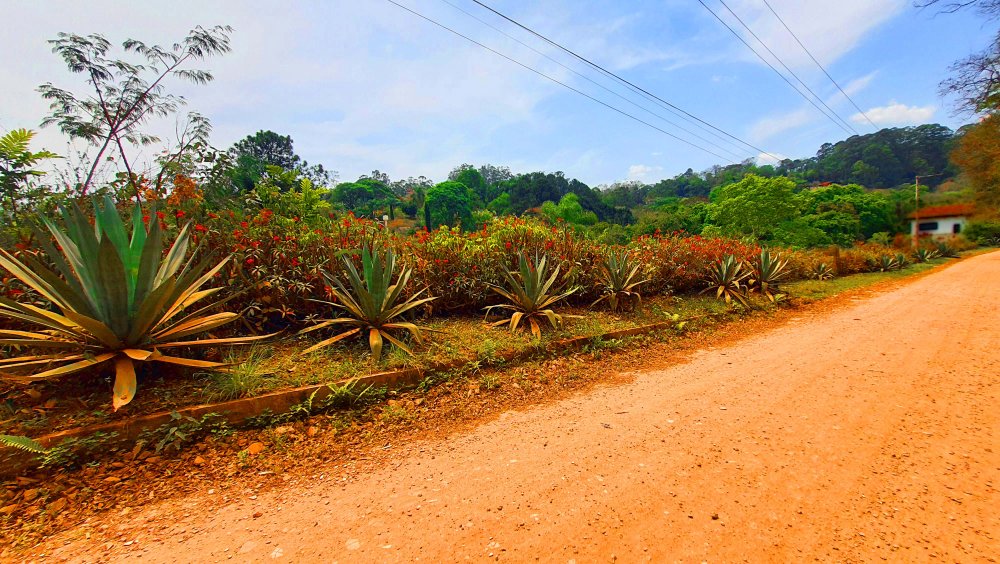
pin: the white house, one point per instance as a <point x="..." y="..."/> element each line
<point x="939" y="221"/>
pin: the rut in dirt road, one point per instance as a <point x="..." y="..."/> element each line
<point x="862" y="434"/>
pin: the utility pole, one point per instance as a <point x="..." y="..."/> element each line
<point x="916" y="209"/>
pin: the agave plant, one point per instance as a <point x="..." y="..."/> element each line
<point x="726" y="277"/>
<point x="887" y="263"/>
<point x="947" y="251"/>
<point x="619" y="280"/>
<point x="901" y="261"/>
<point x="821" y="271"/>
<point x="120" y="299"/>
<point x="372" y="302"/>
<point x="924" y="255"/>
<point x="531" y="295"/>
<point x="765" y="274"/>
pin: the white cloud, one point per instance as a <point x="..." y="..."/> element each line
<point x="770" y="126"/>
<point x="644" y="173"/>
<point x="814" y="23"/>
<point x="895" y="113"/>
<point x="770" y="158"/>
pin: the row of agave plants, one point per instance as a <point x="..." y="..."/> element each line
<point x="100" y="290"/>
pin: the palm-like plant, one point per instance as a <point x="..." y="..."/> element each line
<point x="901" y="261"/>
<point x="766" y="273"/>
<point x="887" y="263"/>
<point x="726" y="277"/>
<point x="924" y="255"/>
<point x="619" y="280"/>
<point x="821" y="271"/>
<point x="531" y="294"/>
<point x="121" y="300"/>
<point x="372" y="303"/>
<point x="946" y="250"/>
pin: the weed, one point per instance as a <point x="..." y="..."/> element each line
<point x="490" y="381"/>
<point x="70" y="451"/>
<point x="342" y="395"/>
<point x="394" y="413"/>
<point x="183" y="430"/>
<point x="243" y="458"/>
<point x="486" y="350"/>
<point x="245" y="377"/>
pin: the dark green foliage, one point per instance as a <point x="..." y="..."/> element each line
<point x="528" y="191"/>
<point x="473" y="180"/>
<point x="984" y="232"/>
<point x="450" y="203"/>
<point x="884" y="159"/>
<point x="268" y="148"/>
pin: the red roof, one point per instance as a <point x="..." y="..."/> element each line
<point x="944" y="211"/>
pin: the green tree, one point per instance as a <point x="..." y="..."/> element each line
<point x="474" y="181"/>
<point x="501" y="205"/>
<point x="449" y="203"/>
<point x="124" y="96"/>
<point x="753" y="206"/>
<point x="569" y="210"/>
<point x="269" y="149"/>
<point x="253" y="156"/>
<point x="847" y="213"/>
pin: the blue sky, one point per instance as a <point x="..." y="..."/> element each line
<point x="365" y="85"/>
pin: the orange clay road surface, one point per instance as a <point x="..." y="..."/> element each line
<point x="863" y="434"/>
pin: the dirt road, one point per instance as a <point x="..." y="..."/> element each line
<point x="863" y="434"/>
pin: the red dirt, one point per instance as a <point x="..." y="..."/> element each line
<point x="864" y="433"/>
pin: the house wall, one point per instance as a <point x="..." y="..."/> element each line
<point x="945" y="225"/>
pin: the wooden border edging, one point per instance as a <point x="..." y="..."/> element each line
<point x="239" y="411"/>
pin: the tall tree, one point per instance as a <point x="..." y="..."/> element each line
<point x="449" y="203"/>
<point x="269" y="149"/>
<point x="977" y="154"/>
<point x="124" y="95"/>
<point x="753" y="206"/>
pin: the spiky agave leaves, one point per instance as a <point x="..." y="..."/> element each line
<point x="766" y="272"/>
<point x="887" y="263"/>
<point x="531" y="295"/>
<point x="726" y="277"/>
<point x="121" y="299"/>
<point x="924" y="255"/>
<point x="619" y="280"/>
<point x="372" y="303"/>
<point x="821" y="271"/>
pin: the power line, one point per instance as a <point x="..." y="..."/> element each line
<point x="790" y="71"/>
<point x="563" y="84"/>
<point x="848" y="129"/>
<point x="595" y="83"/>
<point x="792" y="33"/>
<point x="636" y="88"/>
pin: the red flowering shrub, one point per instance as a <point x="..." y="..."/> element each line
<point x="674" y="263"/>
<point x="274" y="275"/>
<point x="458" y="268"/>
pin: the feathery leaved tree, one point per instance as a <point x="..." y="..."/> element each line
<point x="124" y="96"/>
